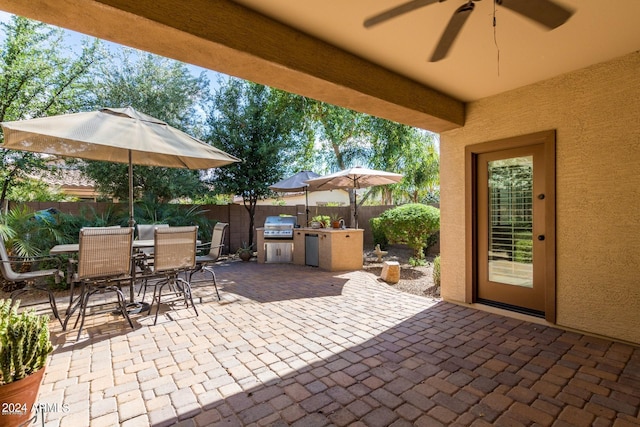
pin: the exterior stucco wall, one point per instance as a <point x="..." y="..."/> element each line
<point x="596" y="114"/>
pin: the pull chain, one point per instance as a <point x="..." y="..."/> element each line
<point x="495" y="39"/>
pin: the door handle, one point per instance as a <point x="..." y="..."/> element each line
<point x="541" y="237"/>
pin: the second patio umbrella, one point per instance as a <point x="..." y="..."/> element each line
<point x="121" y="135"/>
<point x="295" y="183"/>
<point x="356" y="177"/>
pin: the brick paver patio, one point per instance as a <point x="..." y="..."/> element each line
<point x="292" y="345"/>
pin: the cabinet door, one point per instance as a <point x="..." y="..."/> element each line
<point x="279" y="252"/>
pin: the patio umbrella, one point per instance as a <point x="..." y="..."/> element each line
<point x="296" y="183"/>
<point x="121" y="135"/>
<point x="356" y="177"/>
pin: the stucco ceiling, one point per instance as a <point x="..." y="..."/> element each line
<point x="478" y="66"/>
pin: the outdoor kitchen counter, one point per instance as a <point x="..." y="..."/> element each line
<point x="338" y="249"/>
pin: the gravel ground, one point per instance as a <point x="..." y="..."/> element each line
<point x="413" y="280"/>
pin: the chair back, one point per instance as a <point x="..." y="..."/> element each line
<point x="145" y="231"/>
<point x="175" y="248"/>
<point x="5" y="264"/>
<point x="217" y="240"/>
<point x="104" y="252"/>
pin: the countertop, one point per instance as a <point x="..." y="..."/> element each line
<point x="322" y="230"/>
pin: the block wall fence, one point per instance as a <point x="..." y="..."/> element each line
<point x="237" y="216"/>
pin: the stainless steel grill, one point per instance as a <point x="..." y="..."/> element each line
<point x="279" y="227"/>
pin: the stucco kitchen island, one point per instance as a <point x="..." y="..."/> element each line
<point x="331" y="249"/>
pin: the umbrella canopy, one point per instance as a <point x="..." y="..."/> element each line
<point x="121" y="135"/>
<point x="356" y="177"/>
<point x="296" y="183"/>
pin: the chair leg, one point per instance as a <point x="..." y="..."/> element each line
<point x="51" y="296"/>
<point x="143" y="289"/>
<point x="122" y="303"/>
<point x="69" y="313"/>
<point x="54" y="307"/>
<point x="73" y="307"/>
<point x="186" y="289"/>
<point x="83" y="311"/>
<point x="215" y="284"/>
<point x="177" y="286"/>
<point x="155" y="292"/>
<point x="159" y="289"/>
<point x="195" y="270"/>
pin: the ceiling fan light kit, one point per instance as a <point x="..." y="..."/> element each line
<point x="545" y="12"/>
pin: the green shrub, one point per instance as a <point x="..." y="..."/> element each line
<point x="379" y="238"/>
<point x="417" y="262"/>
<point x="411" y="225"/>
<point x="436" y="271"/>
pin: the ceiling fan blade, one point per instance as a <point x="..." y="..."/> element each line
<point x="450" y="33"/>
<point x="398" y="10"/>
<point x="545" y="12"/>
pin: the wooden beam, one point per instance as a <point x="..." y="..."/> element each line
<point x="224" y="36"/>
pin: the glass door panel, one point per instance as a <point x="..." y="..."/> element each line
<point x="510" y="250"/>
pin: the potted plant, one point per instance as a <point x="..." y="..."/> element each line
<point x="322" y="221"/>
<point x="24" y="347"/>
<point x="335" y="220"/>
<point x="245" y="252"/>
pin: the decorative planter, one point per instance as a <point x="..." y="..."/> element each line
<point x="18" y="398"/>
<point x="245" y="255"/>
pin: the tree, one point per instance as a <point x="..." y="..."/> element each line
<point x="351" y="138"/>
<point x="421" y="168"/>
<point x="37" y="79"/>
<point x="344" y="139"/>
<point x="407" y="150"/>
<point x="34" y="190"/>
<point x="258" y="125"/>
<point x="164" y="89"/>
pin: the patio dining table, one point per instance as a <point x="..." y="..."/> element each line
<point x="70" y="248"/>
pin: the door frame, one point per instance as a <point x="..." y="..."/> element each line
<point x="548" y="140"/>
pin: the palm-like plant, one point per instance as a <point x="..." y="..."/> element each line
<point x="28" y="234"/>
<point x="149" y="211"/>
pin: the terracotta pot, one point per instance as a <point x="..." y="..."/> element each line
<point x="244" y="255"/>
<point x="18" y="398"/>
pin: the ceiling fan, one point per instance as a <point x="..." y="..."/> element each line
<point x="545" y="12"/>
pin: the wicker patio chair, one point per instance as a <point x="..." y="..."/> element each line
<point x="174" y="254"/>
<point x="104" y="264"/>
<point x="205" y="262"/>
<point x="34" y="280"/>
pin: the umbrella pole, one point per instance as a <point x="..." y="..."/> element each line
<point x="355" y="208"/>
<point x="132" y="221"/>
<point x="306" y="205"/>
